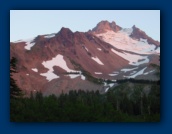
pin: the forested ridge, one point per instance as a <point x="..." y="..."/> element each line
<point x="80" y="106"/>
<point x="130" y="101"/>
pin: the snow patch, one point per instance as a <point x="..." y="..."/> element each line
<point x="72" y="76"/>
<point x="49" y="36"/>
<point x="143" y="40"/>
<point x="57" y="61"/>
<point x="127" y="69"/>
<point x="145" y="60"/>
<point x="35" y="69"/>
<point x="149" y="72"/>
<point x="19" y="41"/>
<point x="136" y="74"/>
<point x="157" y="50"/>
<point x="49" y="75"/>
<point x="127" y="31"/>
<point x="132" y="58"/>
<point x="85" y="48"/>
<point x="113" y="74"/>
<point x="105" y="84"/>
<point x="29" y="43"/>
<point x="133" y="72"/>
<point x="97" y="72"/>
<point x="108" y="86"/>
<point x="83" y="77"/>
<point x="106" y="89"/>
<point x="111" y="84"/>
<point x="99" y="49"/>
<point x="25" y="40"/>
<point x="97" y="60"/>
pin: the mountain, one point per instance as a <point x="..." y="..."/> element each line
<point x="64" y="61"/>
<point x="104" y="26"/>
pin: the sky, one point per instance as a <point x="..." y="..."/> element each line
<point x="26" y="24"/>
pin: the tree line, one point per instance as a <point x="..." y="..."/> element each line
<point x="119" y="104"/>
<point x="88" y="106"/>
<point x="143" y="81"/>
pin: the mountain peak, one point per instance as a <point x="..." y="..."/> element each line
<point x="105" y="26"/>
<point x="133" y="26"/>
<point x="104" y="22"/>
<point x="138" y="34"/>
<point x="65" y="30"/>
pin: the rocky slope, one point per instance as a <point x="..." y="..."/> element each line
<point x="67" y="60"/>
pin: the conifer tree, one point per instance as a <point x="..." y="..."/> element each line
<point x="15" y="91"/>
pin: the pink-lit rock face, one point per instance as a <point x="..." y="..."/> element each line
<point x="54" y="63"/>
<point x="104" y="26"/>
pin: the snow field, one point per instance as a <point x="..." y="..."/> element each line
<point x="123" y="41"/>
<point x="136" y="74"/>
<point x="132" y="58"/>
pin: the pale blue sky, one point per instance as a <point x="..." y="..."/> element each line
<point x="30" y="23"/>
